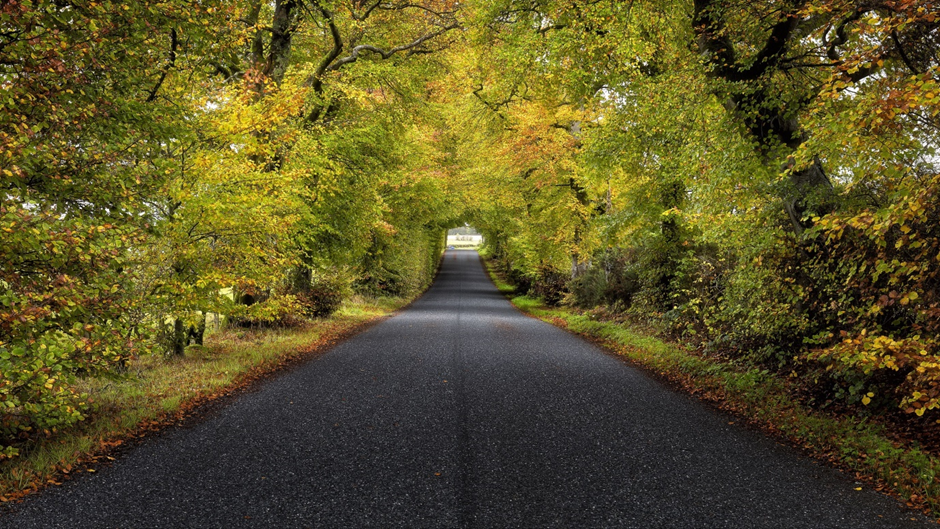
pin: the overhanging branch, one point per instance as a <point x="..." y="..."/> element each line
<point x="171" y="61"/>
<point x="333" y="61"/>
<point x="356" y="52"/>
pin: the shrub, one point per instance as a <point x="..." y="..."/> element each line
<point x="876" y="284"/>
<point x="550" y="285"/>
<point x="518" y="278"/>
<point x="65" y="312"/>
<point x="613" y="280"/>
<point x="587" y="290"/>
<point x="623" y="279"/>
<point x="322" y="298"/>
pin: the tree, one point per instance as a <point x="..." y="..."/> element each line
<point x="87" y="109"/>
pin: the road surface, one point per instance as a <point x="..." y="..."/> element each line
<point x="462" y="412"/>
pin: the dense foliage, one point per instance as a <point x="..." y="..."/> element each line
<point x="758" y="178"/>
<point x="161" y="161"/>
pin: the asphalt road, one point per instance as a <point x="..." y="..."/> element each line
<point x="462" y="412"/>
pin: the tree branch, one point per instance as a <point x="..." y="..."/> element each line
<point x="904" y="58"/>
<point x="710" y="29"/>
<point x="332" y="61"/>
<point x="711" y="38"/>
<point x="367" y="13"/>
<point x="841" y="35"/>
<point x="386" y="54"/>
<point x="773" y="49"/>
<point x="174" y="44"/>
<point x="495" y="106"/>
<point x="315" y="80"/>
<point x="257" y="40"/>
<point x="551" y="27"/>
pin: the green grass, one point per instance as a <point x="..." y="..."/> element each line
<point x="764" y="399"/>
<point x="160" y="389"/>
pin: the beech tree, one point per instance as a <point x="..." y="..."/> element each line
<point x="86" y="109"/>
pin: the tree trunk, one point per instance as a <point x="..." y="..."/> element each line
<point x="810" y="187"/>
<point x="282" y="32"/>
<point x="180" y="337"/>
<point x="301" y="279"/>
<point x="671" y="196"/>
<point x="198" y="332"/>
<point x="749" y="96"/>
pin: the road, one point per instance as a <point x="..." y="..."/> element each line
<point x="462" y="412"/>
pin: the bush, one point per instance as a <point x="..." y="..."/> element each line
<point x="587" y="290"/>
<point x="522" y="282"/>
<point x="623" y="279"/>
<point x="401" y="264"/>
<point x="36" y="389"/>
<point x="322" y="298"/>
<point x="65" y="309"/>
<point x="876" y="285"/>
<point x="550" y="285"/>
<point x="613" y="280"/>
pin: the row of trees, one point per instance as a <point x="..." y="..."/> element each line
<point x="161" y="160"/>
<point x="759" y="178"/>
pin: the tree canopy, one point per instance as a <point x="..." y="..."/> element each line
<point x="757" y="178"/>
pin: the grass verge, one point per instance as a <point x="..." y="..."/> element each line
<point x="762" y="399"/>
<point x="162" y="391"/>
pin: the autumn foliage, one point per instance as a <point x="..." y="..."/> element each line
<point x="758" y="179"/>
<point x="164" y="161"/>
